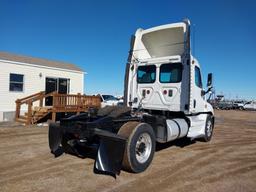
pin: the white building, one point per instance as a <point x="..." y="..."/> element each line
<point x="21" y="76"/>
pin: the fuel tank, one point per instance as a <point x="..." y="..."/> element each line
<point x="176" y="128"/>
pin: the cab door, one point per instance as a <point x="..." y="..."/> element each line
<point x="198" y="101"/>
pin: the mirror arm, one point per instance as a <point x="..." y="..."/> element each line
<point x="208" y="90"/>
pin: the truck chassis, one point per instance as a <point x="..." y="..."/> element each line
<point x="124" y="139"/>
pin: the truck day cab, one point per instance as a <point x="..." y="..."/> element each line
<point x="163" y="101"/>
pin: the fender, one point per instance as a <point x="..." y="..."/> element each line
<point x="110" y="153"/>
<point x="110" y="150"/>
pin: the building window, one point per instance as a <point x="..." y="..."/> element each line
<point x="16" y="82"/>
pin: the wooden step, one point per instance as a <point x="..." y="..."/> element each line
<point x="21" y="120"/>
<point x="23" y="117"/>
<point x="38" y="116"/>
<point x="42" y="109"/>
<point x="35" y="112"/>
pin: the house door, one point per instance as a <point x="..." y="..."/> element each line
<point x="50" y="86"/>
<point x="63" y="86"/>
<point x="60" y="85"/>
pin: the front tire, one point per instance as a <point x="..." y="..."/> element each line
<point x="140" y="146"/>
<point x="209" y="124"/>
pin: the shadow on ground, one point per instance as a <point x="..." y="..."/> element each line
<point x="183" y="142"/>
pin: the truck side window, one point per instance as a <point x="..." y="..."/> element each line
<point x="198" y="79"/>
<point x="146" y="74"/>
<point x="170" y="73"/>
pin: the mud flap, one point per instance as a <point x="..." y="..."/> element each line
<point x="55" y="136"/>
<point x="110" y="154"/>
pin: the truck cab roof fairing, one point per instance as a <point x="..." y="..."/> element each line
<point x="161" y="41"/>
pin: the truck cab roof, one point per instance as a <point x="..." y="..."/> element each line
<point x="161" y="41"/>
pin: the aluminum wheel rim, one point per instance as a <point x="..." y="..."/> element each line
<point x="209" y="129"/>
<point x="143" y="147"/>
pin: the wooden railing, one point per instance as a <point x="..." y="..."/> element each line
<point x="29" y="100"/>
<point x="73" y="103"/>
<point x="61" y="103"/>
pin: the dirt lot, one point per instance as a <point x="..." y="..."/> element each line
<point x="227" y="163"/>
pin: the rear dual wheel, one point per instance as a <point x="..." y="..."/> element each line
<point x="140" y="146"/>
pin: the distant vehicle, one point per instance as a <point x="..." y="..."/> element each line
<point x="220" y="98"/>
<point x="120" y="99"/>
<point x="239" y="105"/>
<point x="110" y="100"/>
<point x="251" y="105"/>
<point x="225" y="105"/>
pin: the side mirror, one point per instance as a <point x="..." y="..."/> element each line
<point x="209" y="80"/>
<point x="209" y="85"/>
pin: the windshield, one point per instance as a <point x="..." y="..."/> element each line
<point x="109" y="97"/>
<point x="146" y="74"/>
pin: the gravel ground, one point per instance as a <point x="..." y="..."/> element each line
<point x="227" y="163"/>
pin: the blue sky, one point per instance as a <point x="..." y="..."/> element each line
<point x="95" y="35"/>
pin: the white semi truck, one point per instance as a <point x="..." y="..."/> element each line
<point x="164" y="100"/>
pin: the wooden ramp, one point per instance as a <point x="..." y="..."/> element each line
<point x="61" y="103"/>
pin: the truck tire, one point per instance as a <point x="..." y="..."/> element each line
<point x="140" y="146"/>
<point x="209" y="125"/>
